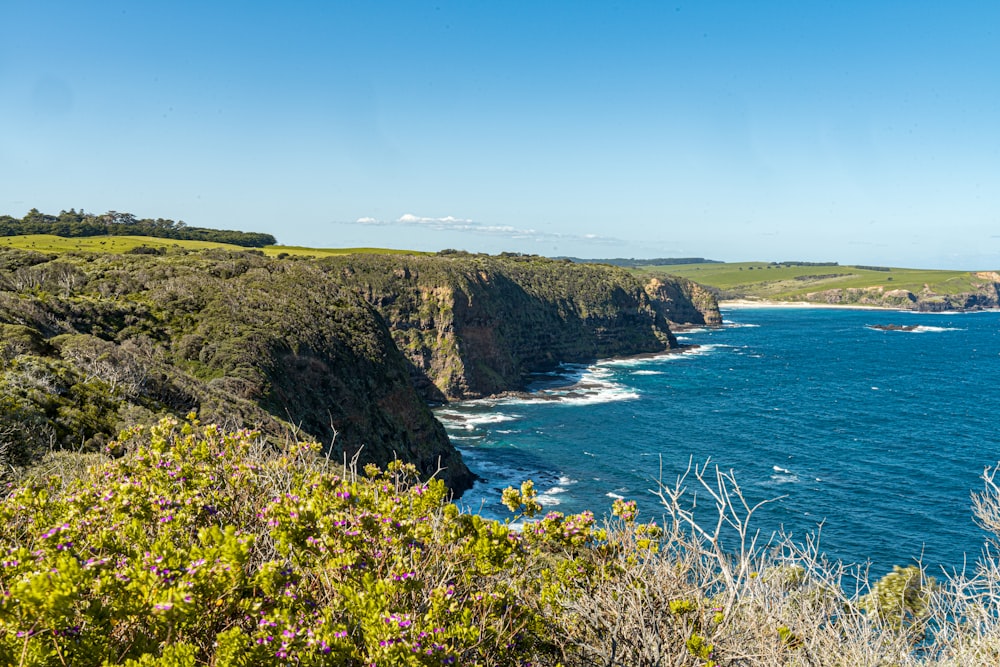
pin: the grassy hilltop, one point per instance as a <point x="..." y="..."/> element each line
<point x="49" y="243"/>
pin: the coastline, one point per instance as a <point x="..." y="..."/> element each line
<point x="747" y="304"/>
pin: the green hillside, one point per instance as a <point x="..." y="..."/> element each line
<point x="792" y="282"/>
<point x="120" y="244"/>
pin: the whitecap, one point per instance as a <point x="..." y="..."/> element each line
<point x="644" y="372"/>
<point x="783" y="479"/>
<point x="929" y="329"/>
<point x="616" y="496"/>
<point x="593" y="387"/>
<point x="786" y="471"/>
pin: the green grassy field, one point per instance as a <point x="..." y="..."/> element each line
<point x="789" y="282"/>
<point x="760" y="280"/>
<point x="118" y="244"/>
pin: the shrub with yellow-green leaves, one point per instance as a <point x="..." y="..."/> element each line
<point x="200" y="547"/>
<point x="195" y="546"/>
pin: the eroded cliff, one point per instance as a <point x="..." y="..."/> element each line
<point x="100" y="342"/>
<point x="476" y="325"/>
<point x="683" y="302"/>
<point x="345" y="350"/>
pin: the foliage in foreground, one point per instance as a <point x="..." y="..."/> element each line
<point x="202" y="547"/>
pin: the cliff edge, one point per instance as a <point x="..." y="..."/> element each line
<point x="477" y="325"/>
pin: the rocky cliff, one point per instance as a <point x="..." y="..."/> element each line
<point x="475" y="325"/>
<point x="986" y="294"/>
<point x="683" y="302"/>
<point x="98" y="342"/>
<point x="345" y="350"/>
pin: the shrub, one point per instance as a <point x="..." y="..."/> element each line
<point x="197" y="546"/>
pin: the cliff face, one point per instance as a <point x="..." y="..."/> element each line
<point x="683" y="302"/>
<point x="986" y="295"/>
<point x="472" y="326"/>
<point x="99" y="342"/>
<point x="343" y="350"/>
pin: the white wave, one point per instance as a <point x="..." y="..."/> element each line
<point x="703" y="349"/>
<point x="645" y="372"/>
<point x="784" y="479"/>
<point x="919" y="328"/>
<point x="567" y="481"/>
<point x="591" y="454"/>
<point x="616" y="496"/>
<point x="928" y="329"/>
<point x="490" y="418"/>
<point x="739" y="325"/>
<point x="785" y="471"/>
<point x="593" y="387"/>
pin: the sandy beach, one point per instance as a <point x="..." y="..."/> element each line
<point x="744" y="304"/>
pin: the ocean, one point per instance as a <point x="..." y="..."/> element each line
<point x="872" y="439"/>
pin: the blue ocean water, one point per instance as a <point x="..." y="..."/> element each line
<point x="880" y="436"/>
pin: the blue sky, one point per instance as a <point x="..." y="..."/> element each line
<point x="858" y="132"/>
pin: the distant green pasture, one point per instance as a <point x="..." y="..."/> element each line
<point x="118" y="244"/>
<point x="784" y="282"/>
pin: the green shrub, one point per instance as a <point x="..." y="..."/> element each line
<point x="202" y="547"/>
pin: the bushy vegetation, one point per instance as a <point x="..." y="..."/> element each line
<point x="71" y="224"/>
<point x="188" y="545"/>
<point x="93" y="343"/>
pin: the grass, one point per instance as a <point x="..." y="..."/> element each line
<point x="114" y="244"/>
<point x="273" y="250"/>
<point x="788" y="282"/>
<point x="120" y="244"/>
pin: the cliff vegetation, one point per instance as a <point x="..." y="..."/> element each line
<point x="93" y="343"/>
<point x="476" y="325"/>
<point x="199" y="546"/>
<point x="345" y="350"/>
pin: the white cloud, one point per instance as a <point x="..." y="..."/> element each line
<point x="452" y="224"/>
<point x="447" y="222"/>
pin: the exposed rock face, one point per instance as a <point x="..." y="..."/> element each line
<point x="239" y="338"/>
<point x="986" y="296"/>
<point x="474" y="326"/>
<point x="683" y="302"/>
<point x="330" y="348"/>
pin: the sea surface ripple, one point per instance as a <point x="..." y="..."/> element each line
<point x="879" y="436"/>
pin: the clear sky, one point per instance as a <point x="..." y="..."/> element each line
<point x="851" y="131"/>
